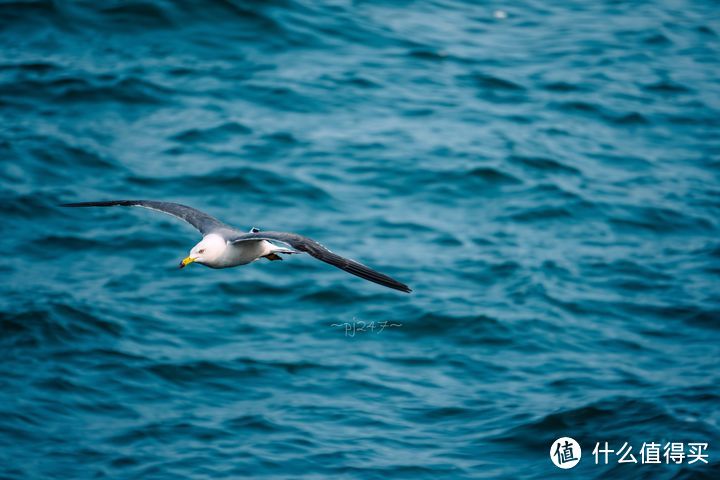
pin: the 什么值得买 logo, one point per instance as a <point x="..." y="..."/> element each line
<point x="565" y="452"/>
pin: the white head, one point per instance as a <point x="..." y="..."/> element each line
<point x="208" y="251"/>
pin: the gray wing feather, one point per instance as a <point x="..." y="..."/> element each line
<point x="315" y="249"/>
<point x="200" y="220"/>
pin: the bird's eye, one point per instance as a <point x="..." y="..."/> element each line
<point x="201" y="251"/>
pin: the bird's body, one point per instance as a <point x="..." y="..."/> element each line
<point x="223" y="246"/>
<point x="236" y="254"/>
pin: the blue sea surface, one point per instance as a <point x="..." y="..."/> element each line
<point x="544" y="175"/>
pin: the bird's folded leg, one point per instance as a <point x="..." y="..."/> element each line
<point x="272" y="256"/>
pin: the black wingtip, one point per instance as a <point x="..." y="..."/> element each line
<point x="395" y="285"/>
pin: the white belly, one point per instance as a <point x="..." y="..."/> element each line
<point x="242" y="253"/>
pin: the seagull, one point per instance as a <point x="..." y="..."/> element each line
<point x="223" y="246"/>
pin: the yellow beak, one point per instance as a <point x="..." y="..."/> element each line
<point x="186" y="262"/>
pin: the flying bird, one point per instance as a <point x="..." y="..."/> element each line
<point x="223" y="246"/>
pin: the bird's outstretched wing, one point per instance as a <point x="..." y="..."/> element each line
<point x="315" y="249"/>
<point x="200" y="220"/>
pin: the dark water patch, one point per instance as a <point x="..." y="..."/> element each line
<point x="419" y="112"/>
<point x="330" y="296"/>
<point x="505" y="269"/>
<point x="49" y="159"/>
<point x="428" y="54"/>
<point x="168" y="431"/>
<point x="216" y="134"/>
<point x="457" y="182"/>
<point x="666" y="87"/>
<point x="240" y="288"/>
<point x="658" y="220"/>
<point x="542" y="213"/>
<point x="625" y="268"/>
<point x="33" y="67"/>
<point x="562" y="87"/>
<point x="599" y="112"/>
<point x="404" y="227"/>
<point x="689" y="314"/>
<point x="101" y="357"/>
<point x="585" y="421"/>
<point x="476" y="329"/>
<point x="34" y="205"/>
<point x="13" y="11"/>
<point x="544" y="164"/>
<point x="493" y="89"/>
<point x="292" y="367"/>
<point x="246" y="179"/>
<point x="705" y="318"/>
<point x="55" y="324"/>
<point x="578" y="107"/>
<point x="103" y="88"/>
<point x="579" y="307"/>
<point x="706" y="30"/>
<point x="201" y="372"/>
<point x="40" y="244"/>
<point x="492" y="175"/>
<point x="138" y="14"/>
<point x="490" y="82"/>
<point x="632" y="118"/>
<point x="254" y="423"/>
<point x="623" y="345"/>
<point x="699" y="119"/>
<point x="657" y="39"/>
<point x="285" y="138"/>
<point x="441" y="414"/>
<point x="625" y="160"/>
<point x="287" y="98"/>
<point x="447" y="240"/>
<point x="353" y="79"/>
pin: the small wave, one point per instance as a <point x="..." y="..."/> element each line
<point x="136" y="14"/>
<point x="578" y="106"/>
<point x="666" y="87"/>
<point x="562" y="87"/>
<point x="659" y="220"/>
<point x="87" y="88"/>
<point x="216" y="134"/>
<point x="544" y="164"/>
<point x="542" y="213"/>
<point x="246" y="179"/>
<point x="475" y="329"/>
<point x="585" y="421"/>
<point x="490" y="82"/>
<point x="256" y="423"/>
<point x="56" y="323"/>
<point x="27" y="9"/>
<point x="38" y="67"/>
<point x="601" y="113"/>
<point x="493" y="176"/>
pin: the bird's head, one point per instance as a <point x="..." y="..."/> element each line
<point x="207" y="252"/>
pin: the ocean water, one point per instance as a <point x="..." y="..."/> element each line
<point x="544" y="175"/>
